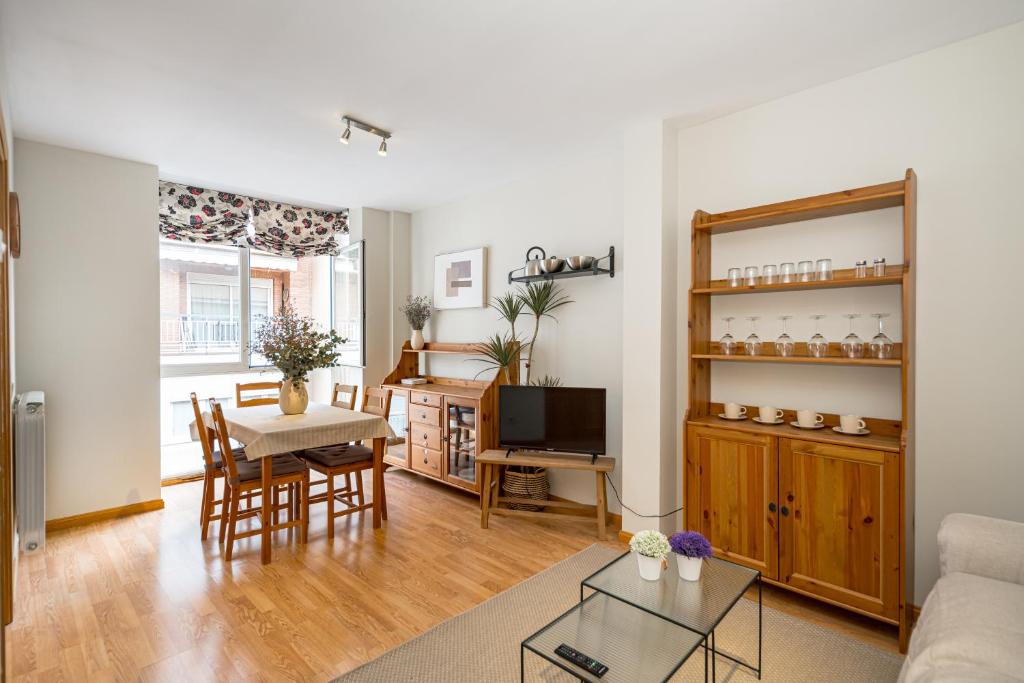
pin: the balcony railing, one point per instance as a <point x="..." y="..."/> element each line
<point x="192" y="335"/>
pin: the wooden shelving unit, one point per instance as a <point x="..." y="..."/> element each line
<point x="818" y="512"/>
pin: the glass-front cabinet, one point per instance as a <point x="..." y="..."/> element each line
<point x="461" y="443"/>
<point x="398" y="447"/>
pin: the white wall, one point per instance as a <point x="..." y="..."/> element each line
<point x="87" y="323"/>
<point x="574" y="209"/>
<point x="954" y="115"/>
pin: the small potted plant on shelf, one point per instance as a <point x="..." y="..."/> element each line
<point x="293" y="345"/>
<point x="650" y="547"/>
<point x="690" y="548"/>
<point x="417" y="310"/>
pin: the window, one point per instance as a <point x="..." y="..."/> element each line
<point x="349" y="309"/>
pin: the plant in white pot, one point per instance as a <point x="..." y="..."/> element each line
<point x="650" y="547"/>
<point x="417" y="310"/>
<point x="690" y="548"/>
<point x="293" y="344"/>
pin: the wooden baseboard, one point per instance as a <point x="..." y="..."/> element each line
<point x="625" y="536"/>
<point x="184" y="479"/>
<point x="102" y="515"/>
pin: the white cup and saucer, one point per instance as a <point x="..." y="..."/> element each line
<point x="769" y="415"/>
<point x="808" y="419"/>
<point x="733" y="411"/>
<point x="852" y="425"/>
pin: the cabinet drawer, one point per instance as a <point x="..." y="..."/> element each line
<point x="426" y="437"/>
<point x="420" y="398"/>
<point x="425" y="415"/>
<point x="426" y="460"/>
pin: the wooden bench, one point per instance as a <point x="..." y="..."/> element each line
<point x="491" y="462"/>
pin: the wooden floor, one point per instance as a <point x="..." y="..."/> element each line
<point x="141" y="598"/>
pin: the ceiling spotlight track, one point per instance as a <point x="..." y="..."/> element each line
<point x="350" y="121"/>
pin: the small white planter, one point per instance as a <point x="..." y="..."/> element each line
<point x="417" y="340"/>
<point x="689" y="567"/>
<point x="650" y="567"/>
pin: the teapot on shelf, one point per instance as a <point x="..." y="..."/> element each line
<point x="533" y="264"/>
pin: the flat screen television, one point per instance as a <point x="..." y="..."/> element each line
<point x="566" y="419"/>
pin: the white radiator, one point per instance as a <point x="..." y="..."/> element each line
<point x="30" y="469"/>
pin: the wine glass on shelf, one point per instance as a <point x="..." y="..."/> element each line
<point x="881" y="346"/>
<point x="727" y="344"/>
<point x="818" y="345"/>
<point x="852" y="346"/>
<point x="784" y="345"/>
<point x="752" y="343"/>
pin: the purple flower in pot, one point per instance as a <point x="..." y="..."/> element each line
<point x="690" y="548"/>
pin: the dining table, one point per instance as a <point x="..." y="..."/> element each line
<point x="265" y="431"/>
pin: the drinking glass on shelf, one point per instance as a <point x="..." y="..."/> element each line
<point x="823" y="269"/>
<point x="784" y="345"/>
<point x="818" y="345"/>
<point x="752" y="344"/>
<point x="727" y="344"/>
<point x="881" y="346"/>
<point x="769" y="274"/>
<point x="805" y="270"/>
<point x="750" y="276"/>
<point x="734" y="277"/>
<point x="852" y="346"/>
<point x="787" y="272"/>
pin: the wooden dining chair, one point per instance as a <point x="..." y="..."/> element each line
<point x="348" y="460"/>
<point x="344" y="395"/>
<point x="245" y="477"/>
<point x="241" y="402"/>
<point x="212" y="471"/>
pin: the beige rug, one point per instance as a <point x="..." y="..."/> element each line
<point x="482" y="644"/>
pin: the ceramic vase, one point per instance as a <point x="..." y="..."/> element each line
<point x="650" y="567"/>
<point x="689" y="567"/>
<point x="417" y="339"/>
<point x="293" y="399"/>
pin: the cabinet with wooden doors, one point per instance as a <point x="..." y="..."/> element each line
<point x="449" y="420"/>
<point x="840" y="527"/>
<point x="820" y="512"/>
<point x="734" y="502"/>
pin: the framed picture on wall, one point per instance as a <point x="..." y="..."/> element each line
<point x="460" y="279"/>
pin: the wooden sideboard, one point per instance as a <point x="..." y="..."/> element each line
<point x="825" y="514"/>
<point x="449" y="422"/>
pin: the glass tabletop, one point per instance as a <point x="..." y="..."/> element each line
<point x="697" y="605"/>
<point x="634" y="645"/>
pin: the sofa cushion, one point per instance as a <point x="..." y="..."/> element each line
<point x="971" y="629"/>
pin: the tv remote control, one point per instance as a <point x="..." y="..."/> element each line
<point x="581" y="660"/>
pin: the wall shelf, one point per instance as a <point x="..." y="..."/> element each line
<point x="594" y="269"/>
<point x="803" y="360"/>
<point x="844" y="277"/>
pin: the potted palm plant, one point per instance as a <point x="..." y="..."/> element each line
<point x="293" y="344"/>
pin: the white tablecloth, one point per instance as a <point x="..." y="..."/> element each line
<point x="265" y="430"/>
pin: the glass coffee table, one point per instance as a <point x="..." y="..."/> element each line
<point x="634" y="644"/>
<point x="698" y="606"/>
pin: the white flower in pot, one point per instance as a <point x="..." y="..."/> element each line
<point x="690" y="548"/>
<point x="650" y="547"/>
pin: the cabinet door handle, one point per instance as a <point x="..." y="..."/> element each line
<point x="784" y="510"/>
<point x="771" y="507"/>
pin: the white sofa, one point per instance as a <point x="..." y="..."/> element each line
<point x="971" y="626"/>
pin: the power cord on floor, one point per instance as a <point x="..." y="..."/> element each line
<point x="626" y="507"/>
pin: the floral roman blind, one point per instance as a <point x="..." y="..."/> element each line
<point x="197" y="214"/>
<point x="296" y="231"/>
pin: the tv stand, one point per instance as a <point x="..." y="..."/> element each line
<point x="492" y="461"/>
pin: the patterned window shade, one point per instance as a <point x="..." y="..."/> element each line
<point x="196" y="214"/>
<point x="296" y="231"/>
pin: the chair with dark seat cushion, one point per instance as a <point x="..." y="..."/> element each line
<point x="348" y="460"/>
<point x="213" y="465"/>
<point x="243" y="477"/>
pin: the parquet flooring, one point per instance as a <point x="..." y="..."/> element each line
<point x="143" y="599"/>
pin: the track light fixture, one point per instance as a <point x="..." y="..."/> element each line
<point x="384" y="135"/>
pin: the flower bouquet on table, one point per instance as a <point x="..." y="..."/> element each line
<point x="651" y="548"/>
<point x="690" y="548"/>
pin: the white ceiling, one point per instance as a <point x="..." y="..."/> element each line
<point x="245" y="94"/>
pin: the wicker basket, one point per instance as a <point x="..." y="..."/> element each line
<point x="526" y="485"/>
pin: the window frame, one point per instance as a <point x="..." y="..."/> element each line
<point x="361" y="245"/>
